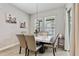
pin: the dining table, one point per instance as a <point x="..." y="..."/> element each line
<point x="43" y="40"/>
<point x="46" y="39"/>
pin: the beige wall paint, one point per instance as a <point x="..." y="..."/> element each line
<point x="77" y="29"/>
<point x="75" y="32"/>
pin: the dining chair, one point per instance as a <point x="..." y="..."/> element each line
<point x="43" y="33"/>
<point x="53" y="44"/>
<point x="32" y="44"/>
<point x="61" y="40"/>
<point x="23" y="43"/>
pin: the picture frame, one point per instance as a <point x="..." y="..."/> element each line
<point x="10" y="19"/>
<point x="23" y="25"/>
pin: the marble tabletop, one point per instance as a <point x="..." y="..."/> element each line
<point x="47" y="39"/>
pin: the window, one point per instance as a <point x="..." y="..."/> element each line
<point x="46" y="24"/>
<point x="50" y="25"/>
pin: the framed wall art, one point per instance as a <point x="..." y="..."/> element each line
<point x="10" y="19"/>
<point x="22" y="24"/>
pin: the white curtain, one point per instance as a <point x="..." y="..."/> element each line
<point x="67" y="46"/>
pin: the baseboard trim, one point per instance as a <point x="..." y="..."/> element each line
<point x="9" y="46"/>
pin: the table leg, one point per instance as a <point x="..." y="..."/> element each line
<point x="42" y="49"/>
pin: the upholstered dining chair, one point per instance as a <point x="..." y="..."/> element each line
<point x="53" y="44"/>
<point x="32" y="44"/>
<point x="23" y="43"/>
<point x="61" y="40"/>
<point x="43" y="33"/>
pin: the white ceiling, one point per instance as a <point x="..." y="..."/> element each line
<point x="31" y="8"/>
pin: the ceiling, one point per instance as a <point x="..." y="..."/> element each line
<point x="32" y="8"/>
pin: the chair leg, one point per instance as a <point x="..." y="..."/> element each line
<point x="58" y="42"/>
<point x="54" y="51"/>
<point x="36" y="53"/>
<point x="20" y="51"/>
<point x="28" y="52"/>
<point x="25" y="51"/>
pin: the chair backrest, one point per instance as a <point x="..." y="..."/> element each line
<point x="61" y="35"/>
<point x="43" y="33"/>
<point x="31" y="42"/>
<point x="56" y="40"/>
<point x="22" y="40"/>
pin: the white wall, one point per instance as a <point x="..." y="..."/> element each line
<point x="8" y="31"/>
<point x="59" y="13"/>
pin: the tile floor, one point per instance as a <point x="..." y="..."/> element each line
<point x="14" y="51"/>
